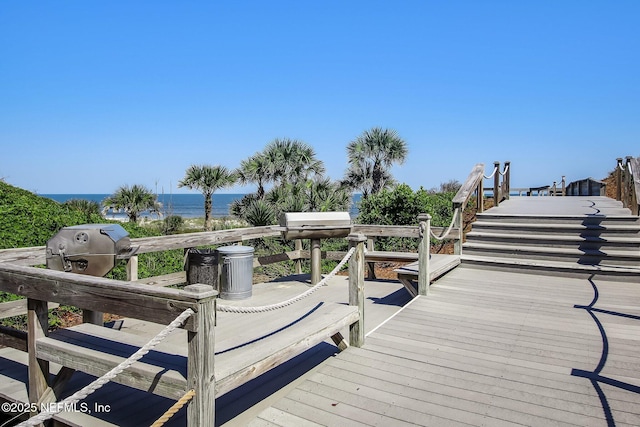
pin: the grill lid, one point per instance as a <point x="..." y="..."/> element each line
<point x="91" y="249"/>
<point x="315" y="225"/>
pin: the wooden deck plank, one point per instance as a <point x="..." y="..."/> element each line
<point x="276" y="417"/>
<point x="487" y="348"/>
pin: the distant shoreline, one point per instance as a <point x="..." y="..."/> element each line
<point x="184" y="205"/>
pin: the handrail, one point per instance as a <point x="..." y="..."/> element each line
<point x="474" y="184"/>
<point x="466" y="190"/>
<point x="628" y="180"/>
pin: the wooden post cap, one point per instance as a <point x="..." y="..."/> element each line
<point x="424" y="217"/>
<point x="356" y="237"/>
<point x="199" y="291"/>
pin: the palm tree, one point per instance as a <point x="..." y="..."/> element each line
<point x="208" y="179"/>
<point x="256" y="169"/>
<point x="89" y="208"/>
<point x="371" y="156"/>
<point x="132" y="200"/>
<point x="325" y="195"/>
<point x="290" y="160"/>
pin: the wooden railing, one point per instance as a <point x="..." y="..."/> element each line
<point x="475" y="185"/>
<point x="41" y="287"/>
<point x="628" y="183"/>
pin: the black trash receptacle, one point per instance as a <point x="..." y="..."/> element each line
<point x="202" y="267"/>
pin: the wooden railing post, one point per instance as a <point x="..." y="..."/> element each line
<point x="371" y="270"/>
<point x="37" y="327"/>
<point x="554" y="188"/>
<point x="626" y="184"/>
<point x="298" y="262"/>
<point x="507" y="179"/>
<point x="619" y="179"/>
<point x="496" y="184"/>
<point x="424" y="254"/>
<point x="633" y="170"/>
<point x="316" y="261"/>
<point x="132" y="269"/>
<point x="457" y="245"/>
<point x="564" y="186"/>
<point x="200" y="363"/>
<point x="356" y="287"/>
<point x="480" y="199"/>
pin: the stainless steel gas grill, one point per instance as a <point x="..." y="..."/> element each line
<point x="91" y="249"/>
<point x="315" y="226"/>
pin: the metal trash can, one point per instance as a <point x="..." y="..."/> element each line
<point x="202" y="267"/>
<point x="236" y="271"/>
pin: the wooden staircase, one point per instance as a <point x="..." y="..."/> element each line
<point x="556" y="243"/>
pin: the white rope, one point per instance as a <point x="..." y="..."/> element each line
<point x="492" y="174"/>
<point x="446" y="233"/>
<point x="503" y="173"/>
<point x="620" y="166"/>
<point x="264" y="308"/>
<point x="70" y="401"/>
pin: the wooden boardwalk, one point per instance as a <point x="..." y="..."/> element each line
<point x="493" y="347"/>
<point x="486" y="349"/>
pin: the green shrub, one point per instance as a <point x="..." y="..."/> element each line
<point x="401" y="206"/>
<point x="30" y="220"/>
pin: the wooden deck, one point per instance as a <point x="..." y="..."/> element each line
<point x="235" y="334"/>
<point x="486" y="348"/>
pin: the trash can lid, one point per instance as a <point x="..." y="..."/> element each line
<point x="235" y="249"/>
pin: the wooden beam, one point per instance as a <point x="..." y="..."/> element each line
<point x="18" y="308"/>
<point x="37" y="327"/>
<point x="469" y="186"/>
<point x="385" y="230"/>
<point x="371" y="266"/>
<point x="424" y="252"/>
<point x="13" y="338"/>
<point x="272" y="259"/>
<point x="200" y="364"/>
<point x="166" y="279"/>
<point x="203" y="238"/>
<point x="160" y="305"/>
<point x="356" y="288"/>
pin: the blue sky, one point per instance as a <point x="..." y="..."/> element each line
<point x="94" y="95"/>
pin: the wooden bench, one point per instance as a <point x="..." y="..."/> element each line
<point x="440" y="265"/>
<point x="96" y="350"/>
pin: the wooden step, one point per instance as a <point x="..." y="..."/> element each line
<point x="630" y="229"/>
<point x="603" y="220"/>
<point x="581" y="256"/>
<point x="549" y="267"/>
<point x="559" y="240"/>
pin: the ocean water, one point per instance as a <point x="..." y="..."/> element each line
<point x="185" y="205"/>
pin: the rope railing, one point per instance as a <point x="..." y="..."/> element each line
<point x="83" y="393"/>
<point x="504" y="172"/>
<point x="277" y="306"/>
<point x="174" y="409"/>
<point x="446" y="233"/>
<point x="495" y="169"/>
